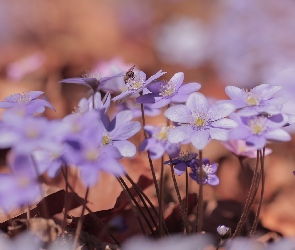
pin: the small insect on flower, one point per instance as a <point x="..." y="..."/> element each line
<point x="129" y="74"/>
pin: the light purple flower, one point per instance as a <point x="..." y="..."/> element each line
<point x="208" y="175"/>
<point x="258" y="100"/>
<point x="182" y="162"/>
<point x="158" y="143"/>
<point x="26" y="101"/>
<point x="92" y="157"/>
<point x="23" y="241"/>
<point x="19" y="188"/>
<point x="118" y="130"/>
<point x="199" y="122"/>
<point x="163" y="93"/>
<point x="136" y="85"/>
<point x="93" y="80"/>
<point x="256" y="130"/>
<point x="240" y="148"/>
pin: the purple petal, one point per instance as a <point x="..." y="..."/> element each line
<point x="177" y="79"/>
<point x="239" y="133"/>
<point x="154" y="87"/>
<point x="123" y="96"/>
<point x="248" y="111"/>
<point x="110" y="165"/>
<point x="157" y="151"/>
<point x="189" y="88"/>
<point x="278" y="135"/>
<point x="162" y="103"/>
<point x="120" y="118"/>
<point x="126" y="148"/>
<point x="225" y="123"/>
<point x="179" y="98"/>
<point x="180" y="168"/>
<point x="126" y="131"/>
<point x="200" y="139"/>
<point x="178" y="113"/>
<point x="41" y="102"/>
<point x="149" y="129"/>
<point x="269" y="92"/>
<point x="6" y="105"/>
<point x="154" y="77"/>
<point x="219" y="134"/>
<point x="205" y="161"/>
<point x="148" y="98"/>
<point x="141" y="75"/>
<point x="146" y="144"/>
<point x="197" y="101"/>
<point x="236" y="93"/>
<point x="213" y="168"/>
<point x="110" y="151"/>
<point x="75" y="81"/>
<point x="277" y="101"/>
<point x="89" y="175"/>
<point x="221" y="110"/>
<point x="213" y="180"/>
<point x="260" y="89"/>
<point x="256" y="141"/>
<point x="172" y="149"/>
<point x="180" y="134"/>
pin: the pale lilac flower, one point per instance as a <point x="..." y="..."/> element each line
<point x="199" y="122"/>
<point x="240" y="148"/>
<point x="19" y="188"/>
<point x="208" y="170"/>
<point x="92" y="157"/>
<point x="158" y="143"/>
<point x="257" y="100"/>
<point x="163" y="93"/>
<point x="118" y="130"/>
<point x="175" y="242"/>
<point x="136" y="85"/>
<point x="94" y="102"/>
<point x="256" y="130"/>
<point x="23" y="241"/>
<point x="26" y="101"/>
<point x="17" y="70"/>
<point x="24" y="134"/>
<point x="93" y="80"/>
<point x="183" y="161"/>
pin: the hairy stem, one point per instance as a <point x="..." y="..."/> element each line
<point x="200" y="197"/>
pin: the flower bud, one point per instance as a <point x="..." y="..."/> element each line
<point x="224" y="231"/>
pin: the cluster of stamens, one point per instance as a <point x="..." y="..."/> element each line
<point x="199" y="119"/>
<point x="187" y="156"/>
<point x="24" y="98"/>
<point x="257" y="124"/>
<point x="252" y="99"/>
<point x="161" y="133"/>
<point x="167" y="89"/>
<point x="91" y="155"/>
<point x="135" y="83"/>
<point x="106" y="139"/>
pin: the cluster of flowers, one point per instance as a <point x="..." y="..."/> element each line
<point x="89" y="140"/>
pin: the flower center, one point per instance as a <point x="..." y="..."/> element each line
<point x="161" y="134"/>
<point x="200" y="122"/>
<point x="23" y="182"/>
<point x="135" y="84"/>
<point x="257" y="125"/>
<point x="252" y="99"/>
<point x="167" y="89"/>
<point x="91" y="155"/>
<point x="106" y="140"/>
<point x="92" y="74"/>
<point x="24" y="98"/>
<point x="187" y="156"/>
<point x="32" y="133"/>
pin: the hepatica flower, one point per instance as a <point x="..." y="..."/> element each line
<point x="163" y="93"/>
<point x="158" y="142"/>
<point x="137" y="84"/>
<point x="256" y="130"/>
<point x="257" y="100"/>
<point x="199" y="122"/>
<point x="28" y="101"/>
<point x="208" y="174"/>
<point x="183" y="161"/>
<point x="240" y="148"/>
<point x="92" y="80"/>
<point x="120" y="129"/>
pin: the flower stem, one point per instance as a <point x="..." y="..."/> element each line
<point x="148" y="152"/>
<point x="182" y="208"/>
<point x="262" y="155"/>
<point x="186" y="197"/>
<point x="94" y="216"/>
<point x="125" y="187"/>
<point x="250" y="198"/>
<point x="80" y="222"/>
<point x="200" y="196"/>
<point x="66" y="201"/>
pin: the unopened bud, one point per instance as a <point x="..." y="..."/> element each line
<point x="224" y="231"/>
